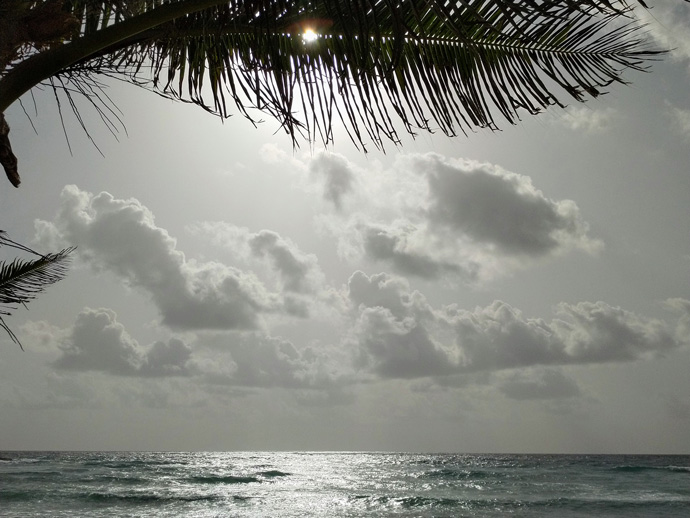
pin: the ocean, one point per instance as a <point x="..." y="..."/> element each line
<point x="281" y="485"/>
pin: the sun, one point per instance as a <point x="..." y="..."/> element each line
<point x="309" y="35"/>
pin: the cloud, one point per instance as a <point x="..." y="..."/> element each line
<point x="299" y="271"/>
<point x="121" y="236"/>
<point x="682" y="120"/>
<point x="399" y="335"/>
<point x="295" y="275"/>
<point x="265" y="361"/>
<point x="390" y="246"/>
<point x="171" y="358"/>
<point x="596" y="332"/>
<point x="546" y="384"/>
<point x="668" y="23"/>
<point x="682" y="307"/>
<point x="399" y="348"/>
<point x="41" y="335"/>
<point x="389" y="292"/>
<point x="497" y="208"/>
<point x="98" y="342"/>
<point x="336" y="175"/>
<point x="587" y="119"/>
<point x="434" y="217"/>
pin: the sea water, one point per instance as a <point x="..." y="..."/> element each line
<point x="211" y="484"/>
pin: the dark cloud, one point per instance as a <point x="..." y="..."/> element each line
<point x="297" y="269"/>
<point x="383" y="245"/>
<point x="399" y="348"/>
<point x="498" y="208"/>
<point x="336" y="174"/>
<point x="171" y="358"/>
<point x="399" y="335"/>
<point x="434" y="217"/>
<point x="393" y="329"/>
<point x="98" y="342"/>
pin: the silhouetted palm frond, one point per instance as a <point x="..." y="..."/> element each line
<point x="21" y="280"/>
<point x="374" y="66"/>
<point x="446" y="65"/>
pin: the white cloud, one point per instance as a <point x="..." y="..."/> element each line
<point x="295" y="276"/>
<point x="682" y="307"/>
<point x="121" y="236"/>
<point x="41" y="335"/>
<point x="587" y="119"/>
<point x="668" y="23"/>
<point x="681" y="119"/>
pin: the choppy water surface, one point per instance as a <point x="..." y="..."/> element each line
<point x="215" y="485"/>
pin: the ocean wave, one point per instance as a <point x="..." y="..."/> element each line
<point x="113" y="479"/>
<point x="146" y="497"/>
<point x="408" y="502"/>
<point x="599" y="506"/>
<point x="273" y="473"/>
<point x="38" y="474"/>
<point x="223" y="479"/>
<point x="637" y="469"/>
<point x="460" y="474"/>
<point x="6" y="496"/>
<point x="128" y="464"/>
<point x="413" y="502"/>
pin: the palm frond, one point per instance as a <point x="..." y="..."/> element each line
<point x="431" y="65"/>
<point x="22" y="280"/>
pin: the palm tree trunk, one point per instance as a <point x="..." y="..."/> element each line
<point x="7" y="158"/>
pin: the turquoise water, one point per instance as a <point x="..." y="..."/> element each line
<point x="271" y="484"/>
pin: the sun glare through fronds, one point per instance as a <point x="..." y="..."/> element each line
<point x="309" y="35"/>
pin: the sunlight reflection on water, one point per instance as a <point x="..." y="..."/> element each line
<point x="340" y="485"/>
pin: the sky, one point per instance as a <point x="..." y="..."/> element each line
<point x="517" y="291"/>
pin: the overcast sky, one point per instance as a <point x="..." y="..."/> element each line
<point x="520" y="291"/>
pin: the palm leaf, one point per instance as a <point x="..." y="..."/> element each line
<point x="431" y="65"/>
<point x="22" y="280"/>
